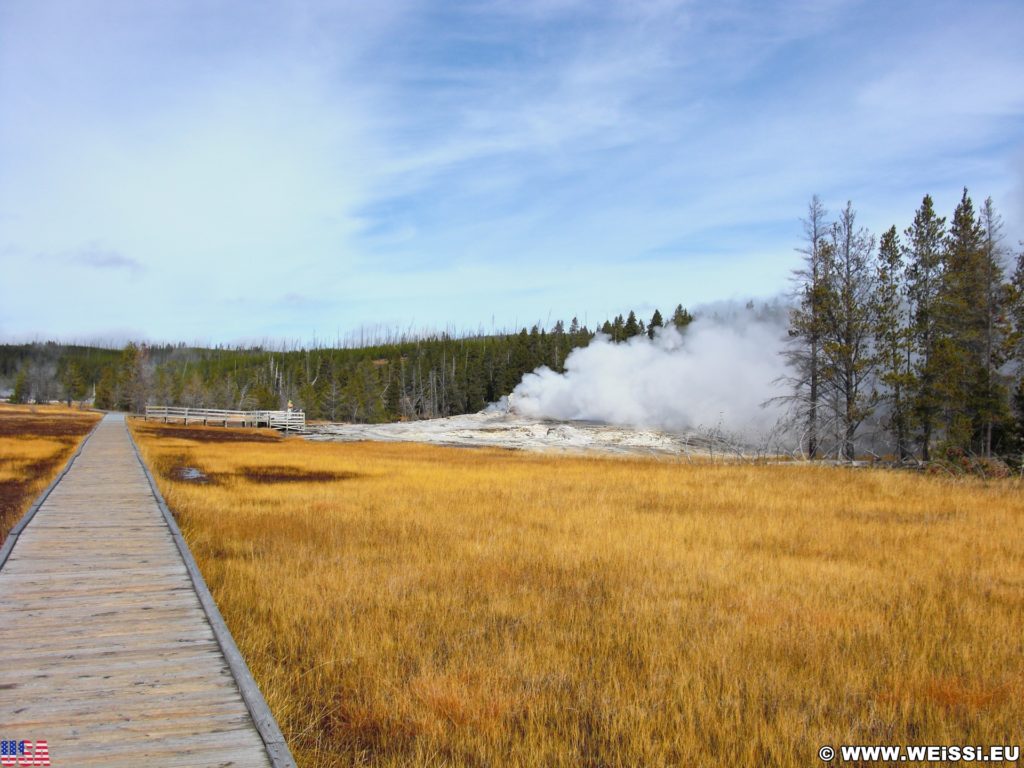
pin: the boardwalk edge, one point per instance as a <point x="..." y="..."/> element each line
<point x="277" y="749"/>
<point x="12" y="536"/>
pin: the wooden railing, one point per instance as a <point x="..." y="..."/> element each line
<point x="289" y="421"/>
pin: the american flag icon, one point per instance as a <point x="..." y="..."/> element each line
<point x="23" y="753"/>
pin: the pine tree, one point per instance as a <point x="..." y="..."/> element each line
<point x="73" y="382"/>
<point x="363" y="391"/>
<point x="1015" y="309"/>
<point x="631" y="327"/>
<point x="618" y="328"/>
<point x="681" y="318"/>
<point x="393" y="389"/>
<point x="1015" y="346"/>
<point x="164" y="388"/>
<point x="193" y="393"/>
<point x="130" y="392"/>
<point x="806" y="326"/>
<point x="893" y="340"/>
<point x="1015" y="301"/>
<point x="959" y="325"/>
<point x="1015" y="440"/>
<point x="106" y="395"/>
<point x="997" y="331"/>
<point x="848" y="315"/>
<point x="21" y="391"/>
<point x="263" y="396"/>
<point x="656" y="322"/>
<point x="924" y="257"/>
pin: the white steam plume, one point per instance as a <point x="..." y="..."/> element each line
<point x="717" y="373"/>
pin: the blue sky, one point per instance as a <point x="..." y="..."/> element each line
<point x="236" y="171"/>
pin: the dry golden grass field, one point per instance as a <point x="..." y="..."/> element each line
<point x="35" y="443"/>
<point x="413" y="605"/>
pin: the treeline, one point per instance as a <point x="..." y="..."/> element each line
<point x="919" y="331"/>
<point x="419" y="378"/>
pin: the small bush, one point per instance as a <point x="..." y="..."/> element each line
<point x="958" y="463"/>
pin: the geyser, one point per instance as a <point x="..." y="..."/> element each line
<point x="720" y="372"/>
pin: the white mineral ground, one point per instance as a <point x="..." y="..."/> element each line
<point x="513" y="431"/>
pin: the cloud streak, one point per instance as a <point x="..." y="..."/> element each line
<point x="96" y="257"/>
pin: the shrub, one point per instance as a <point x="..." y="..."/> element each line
<point x="957" y="462"/>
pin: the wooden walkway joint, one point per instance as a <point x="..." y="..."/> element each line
<point x="111" y="647"/>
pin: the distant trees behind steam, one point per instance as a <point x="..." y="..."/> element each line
<point x="410" y="378"/>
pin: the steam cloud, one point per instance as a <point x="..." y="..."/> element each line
<point x="717" y="373"/>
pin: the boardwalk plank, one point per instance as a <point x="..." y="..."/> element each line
<point x="83" y="712"/>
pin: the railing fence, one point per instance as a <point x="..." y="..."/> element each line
<point x="289" y="421"/>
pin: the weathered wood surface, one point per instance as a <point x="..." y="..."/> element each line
<point x="105" y="649"/>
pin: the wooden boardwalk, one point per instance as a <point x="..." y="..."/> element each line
<point x="290" y="420"/>
<point x="106" y="650"/>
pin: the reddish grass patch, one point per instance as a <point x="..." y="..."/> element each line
<point x="17" y="495"/>
<point x="183" y="469"/>
<point x="52" y="425"/>
<point x="291" y="475"/>
<point x="954" y="693"/>
<point x="206" y="434"/>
